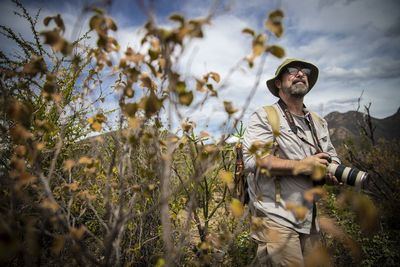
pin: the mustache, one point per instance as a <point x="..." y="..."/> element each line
<point x="299" y="80"/>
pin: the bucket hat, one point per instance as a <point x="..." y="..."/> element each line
<point x="312" y="78"/>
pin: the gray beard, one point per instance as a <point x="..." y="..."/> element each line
<point x="296" y="90"/>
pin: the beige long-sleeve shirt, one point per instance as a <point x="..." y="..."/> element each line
<point x="290" y="146"/>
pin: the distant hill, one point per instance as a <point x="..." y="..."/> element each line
<point x="343" y="126"/>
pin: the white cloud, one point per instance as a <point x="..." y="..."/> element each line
<point x="354" y="43"/>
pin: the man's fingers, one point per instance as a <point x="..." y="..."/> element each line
<point x="322" y="155"/>
<point x="323" y="162"/>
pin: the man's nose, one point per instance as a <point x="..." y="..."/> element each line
<point x="300" y="73"/>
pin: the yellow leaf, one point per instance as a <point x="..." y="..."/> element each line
<point x="205" y="246"/>
<point x="90" y="170"/>
<point x="204" y="134"/>
<point x="187" y="125"/>
<point x="274" y="22"/>
<point x="178" y="18"/>
<point x="249" y="31"/>
<point x="96" y="22"/>
<point x="160" y="262"/>
<point x="367" y="213"/>
<point x="318" y="257"/>
<point x="256" y="223"/>
<point x="99" y="139"/>
<point x="290" y="205"/>
<point x="200" y="85"/>
<point x="315" y="191"/>
<point x="68" y="164"/>
<point x="35" y="66"/>
<point x="258" y="49"/>
<point x="49" y="204"/>
<point x="226" y="176"/>
<point x="56" y="98"/>
<point x="96" y="126"/>
<point x="229" y="107"/>
<point x="24" y="178"/>
<point x="90" y="120"/>
<point x="180" y="87"/>
<point x="85" y="160"/>
<point x="40" y="146"/>
<point x="147" y="82"/>
<point x="215" y="76"/>
<point x="100" y="117"/>
<point x="133" y="57"/>
<point x="186" y="98"/>
<point x="111" y="24"/>
<point x="72" y="186"/>
<point x="130" y="109"/>
<point x="134" y="122"/>
<point x="298" y="211"/>
<point x="276" y="50"/>
<point x="152" y="104"/>
<point x="319" y="172"/>
<point x="237" y="208"/>
<point x="172" y="138"/>
<point x="20" y="150"/>
<point x="255" y="146"/>
<point x="86" y="195"/>
<point x="77" y="233"/>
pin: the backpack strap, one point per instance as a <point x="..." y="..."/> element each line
<point x="274" y="121"/>
<point x="317" y="118"/>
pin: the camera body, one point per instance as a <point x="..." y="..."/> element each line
<point x="349" y="176"/>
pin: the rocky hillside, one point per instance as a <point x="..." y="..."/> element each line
<point x="344" y="126"/>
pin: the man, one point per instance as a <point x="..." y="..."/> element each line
<point x="279" y="176"/>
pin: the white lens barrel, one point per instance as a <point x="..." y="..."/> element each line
<point x="349" y="176"/>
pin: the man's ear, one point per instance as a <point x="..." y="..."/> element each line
<point x="278" y="84"/>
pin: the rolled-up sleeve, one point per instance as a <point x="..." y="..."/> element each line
<point x="258" y="130"/>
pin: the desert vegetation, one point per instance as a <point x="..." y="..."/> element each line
<point x="78" y="188"/>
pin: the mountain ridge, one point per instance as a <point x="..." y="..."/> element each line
<point x="347" y="125"/>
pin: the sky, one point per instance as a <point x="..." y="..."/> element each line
<point x="354" y="43"/>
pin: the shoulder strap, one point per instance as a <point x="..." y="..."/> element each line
<point x="273" y="119"/>
<point x="275" y="122"/>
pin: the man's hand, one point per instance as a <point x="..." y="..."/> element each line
<point x="308" y="165"/>
<point x="331" y="179"/>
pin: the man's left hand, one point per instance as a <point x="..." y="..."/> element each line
<point x="331" y="179"/>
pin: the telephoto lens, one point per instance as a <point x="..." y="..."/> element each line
<point x="349" y="176"/>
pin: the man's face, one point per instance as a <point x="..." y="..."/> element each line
<point x="294" y="81"/>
